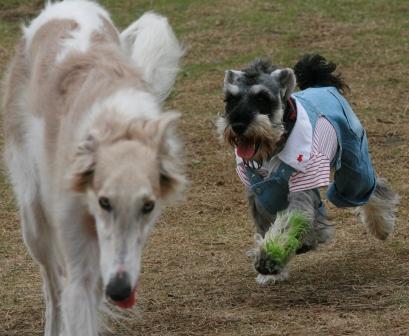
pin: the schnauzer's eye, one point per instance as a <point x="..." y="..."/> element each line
<point x="148" y="207"/>
<point x="104" y="203"/>
<point x="230" y="99"/>
<point x="264" y="103"/>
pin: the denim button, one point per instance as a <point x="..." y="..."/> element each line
<point x="258" y="191"/>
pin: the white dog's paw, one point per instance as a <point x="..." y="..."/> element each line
<point x="265" y="280"/>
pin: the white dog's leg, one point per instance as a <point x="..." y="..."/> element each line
<point x="39" y="241"/>
<point x="80" y="299"/>
<point x="155" y="50"/>
<point x="79" y="306"/>
<point x="52" y="294"/>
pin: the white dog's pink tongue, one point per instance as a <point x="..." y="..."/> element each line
<point x="129" y="302"/>
<point x="246" y="150"/>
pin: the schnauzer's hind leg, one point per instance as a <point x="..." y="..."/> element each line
<point x="379" y="214"/>
<point x="321" y="231"/>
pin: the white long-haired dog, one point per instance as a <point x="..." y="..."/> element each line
<point x="91" y="158"/>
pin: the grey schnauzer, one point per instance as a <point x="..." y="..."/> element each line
<point x="276" y="132"/>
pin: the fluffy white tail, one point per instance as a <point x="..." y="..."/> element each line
<point x="154" y="48"/>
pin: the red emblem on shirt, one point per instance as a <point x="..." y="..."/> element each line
<point x="299" y="159"/>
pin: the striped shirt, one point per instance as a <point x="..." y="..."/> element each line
<point x="324" y="148"/>
<point x="318" y="169"/>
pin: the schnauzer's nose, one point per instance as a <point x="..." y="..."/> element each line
<point x="239" y="128"/>
<point x="119" y="287"/>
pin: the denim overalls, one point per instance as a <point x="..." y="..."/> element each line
<point x="354" y="179"/>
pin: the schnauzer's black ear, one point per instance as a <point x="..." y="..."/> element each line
<point x="230" y="81"/>
<point x="231" y="76"/>
<point x="287" y="81"/>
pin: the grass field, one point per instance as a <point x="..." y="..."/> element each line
<point x="197" y="279"/>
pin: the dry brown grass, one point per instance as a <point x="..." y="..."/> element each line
<point x="197" y="279"/>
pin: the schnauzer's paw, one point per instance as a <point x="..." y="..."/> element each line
<point x="265" y="280"/>
<point x="304" y="248"/>
<point x="264" y="264"/>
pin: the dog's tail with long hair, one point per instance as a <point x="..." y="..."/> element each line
<point x="313" y="70"/>
<point x="155" y="50"/>
<point x="379" y="214"/>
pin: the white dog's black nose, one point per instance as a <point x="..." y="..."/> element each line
<point x="119" y="287"/>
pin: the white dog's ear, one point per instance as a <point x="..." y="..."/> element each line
<point x="172" y="179"/>
<point x="159" y="134"/>
<point x="81" y="170"/>
<point x="164" y="124"/>
<point x="287" y="81"/>
<point x="154" y="48"/>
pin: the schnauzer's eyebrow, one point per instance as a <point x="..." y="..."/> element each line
<point x="232" y="89"/>
<point x="256" y="89"/>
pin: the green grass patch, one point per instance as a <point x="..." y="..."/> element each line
<point x="281" y="246"/>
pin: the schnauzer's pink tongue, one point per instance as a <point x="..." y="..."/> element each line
<point x="127" y="303"/>
<point x="246" y="150"/>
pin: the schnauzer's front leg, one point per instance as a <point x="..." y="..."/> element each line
<point x="292" y="231"/>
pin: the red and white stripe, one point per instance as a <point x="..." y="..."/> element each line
<point x="317" y="173"/>
<point x="318" y="169"/>
<point x="241" y="171"/>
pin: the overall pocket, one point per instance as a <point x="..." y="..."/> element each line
<point x="272" y="194"/>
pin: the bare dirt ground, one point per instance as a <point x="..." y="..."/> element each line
<point x="197" y="279"/>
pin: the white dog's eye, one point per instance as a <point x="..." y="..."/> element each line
<point x="105" y="204"/>
<point x="148" y="207"/>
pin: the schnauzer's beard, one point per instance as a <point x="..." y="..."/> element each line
<point x="264" y="134"/>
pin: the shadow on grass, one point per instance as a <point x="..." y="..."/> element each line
<point x="359" y="280"/>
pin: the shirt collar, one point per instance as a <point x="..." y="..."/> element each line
<point x="297" y="150"/>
